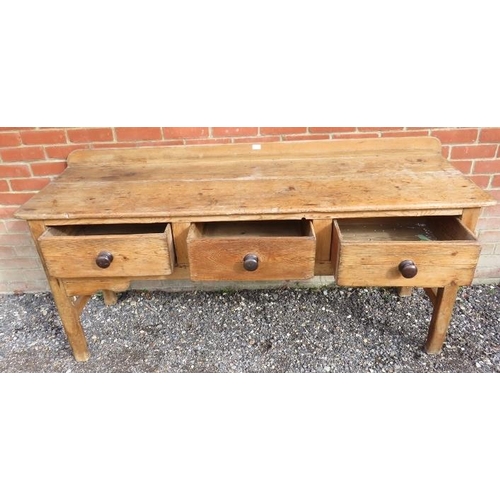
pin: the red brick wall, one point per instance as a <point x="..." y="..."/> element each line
<point x="31" y="157"/>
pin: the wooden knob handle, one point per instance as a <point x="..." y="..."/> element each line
<point x="104" y="259"/>
<point x="408" y="269"/>
<point x="250" y="262"/>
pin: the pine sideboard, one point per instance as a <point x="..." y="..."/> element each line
<point x="386" y="212"/>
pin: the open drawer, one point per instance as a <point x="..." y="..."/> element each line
<point x="251" y="250"/>
<point x="403" y="251"/>
<point x="112" y="250"/>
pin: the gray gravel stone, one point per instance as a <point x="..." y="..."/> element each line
<point x="323" y="330"/>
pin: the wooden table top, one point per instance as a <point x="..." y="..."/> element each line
<point x="306" y="178"/>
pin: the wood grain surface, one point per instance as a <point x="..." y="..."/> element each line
<point x="70" y="255"/>
<point x="370" y="252"/>
<point x="294" y="179"/>
<point x="285" y="249"/>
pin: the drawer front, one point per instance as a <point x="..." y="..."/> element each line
<point x="252" y="251"/>
<point x="431" y="252"/>
<point x="108" y="251"/>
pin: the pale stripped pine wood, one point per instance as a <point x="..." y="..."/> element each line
<point x="268" y="150"/>
<point x="236" y="181"/>
<point x="69" y="310"/>
<point x="180" y="232"/>
<point x="249" y="217"/>
<point x="80" y="302"/>
<point x="260" y="197"/>
<point x="217" y="255"/>
<point x="470" y="218"/>
<point x="70" y="318"/>
<point x="441" y="317"/>
<point x="255" y="168"/>
<point x="320" y="181"/>
<point x="432" y="294"/>
<point x="323" y="230"/>
<point x="89" y="286"/>
<point x="110" y="297"/>
<point x="361" y="262"/>
<point x="134" y="255"/>
<point x="405" y="229"/>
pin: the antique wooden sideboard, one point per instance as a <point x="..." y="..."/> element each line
<point x="375" y="212"/>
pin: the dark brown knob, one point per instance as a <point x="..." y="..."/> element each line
<point x="104" y="259"/>
<point x="408" y="269"/>
<point x="250" y="262"/>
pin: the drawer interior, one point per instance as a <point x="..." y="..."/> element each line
<point x="437" y="228"/>
<point x="107" y="229"/>
<point x="255" y="229"/>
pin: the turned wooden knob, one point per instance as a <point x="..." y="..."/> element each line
<point x="104" y="259"/>
<point x="250" y="262"/>
<point x="408" y="269"/>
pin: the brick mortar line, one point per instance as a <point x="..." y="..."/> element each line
<point x="210" y="136"/>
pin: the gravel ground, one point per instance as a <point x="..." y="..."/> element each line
<point x="328" y="329"/>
